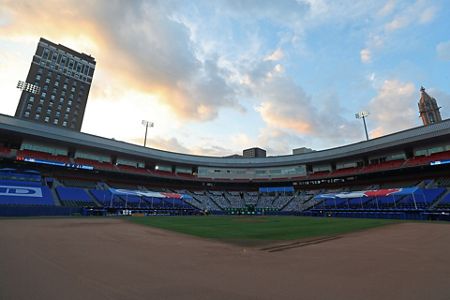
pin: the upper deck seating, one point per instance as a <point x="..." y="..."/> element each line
<point x="42" y="156"/>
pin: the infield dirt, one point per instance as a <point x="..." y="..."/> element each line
<point x="103" y="258"/>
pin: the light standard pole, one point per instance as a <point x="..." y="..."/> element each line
<point x="362" y="115"/>
<point x="147" y="124"/>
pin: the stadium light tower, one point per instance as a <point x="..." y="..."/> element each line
<point x="28" y="87"/>
<point x="362" y="115"/>
<point x="147" y="124"/>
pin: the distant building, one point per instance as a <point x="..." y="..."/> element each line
<point x="60" y="79"/>
<point x="428" y="108"/>
<point x="301" y="150"/>
<point x="254" y="152"/>
<point x="233" y="156"/>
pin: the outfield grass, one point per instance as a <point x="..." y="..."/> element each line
<point x="253" y="229"/>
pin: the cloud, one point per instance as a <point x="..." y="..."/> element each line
<point x="420" y="12"/>
<point x="279" y="142"/>
<point x="276" y="55"/>
<point x="172" y="144"/>
<point x="394" y="108"/>
<point x="428" y="15"/>
<point x="443" y="50"/>
<point x="366" y="56"/>
<point x="388" y="8"/>
<point x="169" y="144"/>
<point x="286" y="107"/>
<point x="286" y="12"/>
<point x="147" y="49"/>
<point x="394" y="17"/>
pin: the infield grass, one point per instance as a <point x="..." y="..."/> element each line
<point x="259" y="230"/>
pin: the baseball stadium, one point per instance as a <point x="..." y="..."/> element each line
<point x="107" y="219"/>
<point x="88" y="211"/>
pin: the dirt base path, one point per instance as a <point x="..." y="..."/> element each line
<point x="111" y="259"/>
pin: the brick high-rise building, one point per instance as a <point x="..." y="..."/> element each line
<point x="62" y="79"/>
<point x="428" y="108"/>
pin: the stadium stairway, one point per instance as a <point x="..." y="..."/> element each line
<point x="92" y="197"/>
<point x="287" y="203"/>
<point x="55" y="196"/>
<point x="438" y="200"/>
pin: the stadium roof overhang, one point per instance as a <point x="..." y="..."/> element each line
<point x="10" y="126"/>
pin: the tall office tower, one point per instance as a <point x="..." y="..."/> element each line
<point x="428" y="108"/>
<point x="57" y="86"/>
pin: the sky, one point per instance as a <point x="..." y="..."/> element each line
<point x="217" y="77"/>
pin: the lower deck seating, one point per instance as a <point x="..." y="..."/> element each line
<point x="21" y="193"/>
<point x="421" y="198"/>
<point x="74" y="197"/>
<point x="445" y="202"/>
<point x="107" y="199"/>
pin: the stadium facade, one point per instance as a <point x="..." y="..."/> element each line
<point x="376" y="154"/>
<point x="404" y="175"/>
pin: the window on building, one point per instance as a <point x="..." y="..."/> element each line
<point x="69" y="102"/>
<point x="59" y="107"/>
<point x="27" y="114"/>
<point x="39" y="109"/>
<point x="43" y="95"/>
<point x="52" y="97"/>
<point x="64" y="124"/>
<point x="56" y="83"/>
<point x="58" y="77"/>
<point x="38" y="77"/>
<point x="55" y="121"/>
<point x="68" y="109"/>
<point x="65" y="86"/>
<point x="61" y="100"/>
<point x="58" y="114"/>
<point x="47" y="80"/>
<point x="46" y="119"/>
<point x="37" y="116"/>
<point x="66" y="116"/>
<point x="72" y="89"/>
<point x="49" y="111"/>
<point x="31" y="99"/>
<point x="29" y="106"/>
<point x="46" y="53"/>
<point x="431" y="117"/>
<point x="50" y="104"/>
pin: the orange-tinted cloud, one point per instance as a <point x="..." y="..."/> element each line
<point x="394" y="108"/>
<point x="136" y="44"/>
